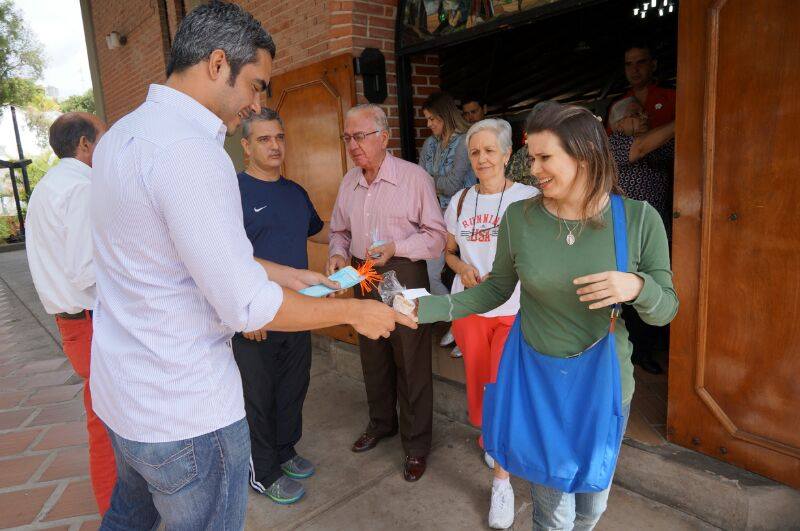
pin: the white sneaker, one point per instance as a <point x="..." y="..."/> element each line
<point x="456" y="353"/>
<point x="448" y="338"/>
<point x="488" y="459"/>
<point x="501" y="514"/>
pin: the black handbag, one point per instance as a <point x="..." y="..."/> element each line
<point x="448" y="275"/>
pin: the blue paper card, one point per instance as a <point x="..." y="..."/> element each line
<point x="347" y="277"/>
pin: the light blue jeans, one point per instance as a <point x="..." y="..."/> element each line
<point x="557" y="510"/>
<point x="198" y="483"/>
<point x="434" y="266"/>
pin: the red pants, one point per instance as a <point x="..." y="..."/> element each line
<point x="481" y="339"/>
<point x="76" y="336"/>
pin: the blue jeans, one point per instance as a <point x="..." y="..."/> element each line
<point x="557" y="510"/>
<point x="198" y="483"/>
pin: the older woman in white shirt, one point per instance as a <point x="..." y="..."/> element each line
<point x="472" y="218"/>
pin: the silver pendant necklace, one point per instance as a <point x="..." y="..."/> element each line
<point x="570" y="235"/>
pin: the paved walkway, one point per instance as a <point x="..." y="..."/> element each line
<point x="43" y="455"/>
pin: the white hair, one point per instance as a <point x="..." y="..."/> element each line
<point x="621" y="109"/>
<point x="500" y="128"/>
<point x="374" y="111"/>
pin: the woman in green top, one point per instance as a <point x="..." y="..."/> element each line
<point x="560" y="247"/>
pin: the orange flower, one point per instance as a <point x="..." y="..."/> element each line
<point x="371" y="277"/>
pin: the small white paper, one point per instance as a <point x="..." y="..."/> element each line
<point x="416" y="293"/>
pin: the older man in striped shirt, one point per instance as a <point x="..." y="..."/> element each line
<point x="176" y="278"/>
<point x="387" y="210"/>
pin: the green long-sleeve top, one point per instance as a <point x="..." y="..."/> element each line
<point x="531" y="248"/>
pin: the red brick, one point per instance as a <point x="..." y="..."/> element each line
<point x="18" y="471"/>
<point x="13" y="419"/>
<point x="45" y="379"/>
<point x="63" y="435"/>
<point x="54" y="395"/>
<point x="76" y="500"/>
<point x="91" y="525"/>
<point x="21" y="507"/>
<point x="69" y="463"/>
<point x="35" y="367"/>
<point x="12" y="398"/>
<point x="65" y="412"/>
<point x="8" y="368"/>
<point x="16" y="442"/>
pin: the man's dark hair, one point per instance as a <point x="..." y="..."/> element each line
<point x="219" y="26"/>
<point x="639" y="45"/>
<point x="473" y="97"/>
<point x="266" y="115"/>
<point x="66" y="133"/>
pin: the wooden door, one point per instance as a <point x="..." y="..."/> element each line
<point x="734" y="384"/>
<point x="312" y="101"/>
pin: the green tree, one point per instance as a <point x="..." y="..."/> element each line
<point x="21" y="58"/>
<point x="40" y="164"/>
<point x="79" y="102"/>
<point x="40" y="114"/>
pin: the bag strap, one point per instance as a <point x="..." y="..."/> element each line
<point x="461" y="201"/>
<point x="620" y="245"/>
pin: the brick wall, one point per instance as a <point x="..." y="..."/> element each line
<point x="305" y="32"/>
<point x="126" y="72"/>
<point x="425" y="81"/>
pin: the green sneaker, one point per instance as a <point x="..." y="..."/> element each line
<point x="285" y="491"/>
<point x="298" y="468"/>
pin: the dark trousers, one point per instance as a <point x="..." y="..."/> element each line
<point x="397" y="370"/>
<point x="275" y="375"/>
<point x="646" y="339"/>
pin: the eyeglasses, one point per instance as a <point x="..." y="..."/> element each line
<point x="358" y="137"/>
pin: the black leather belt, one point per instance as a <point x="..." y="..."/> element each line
<point x="75" y="316"/>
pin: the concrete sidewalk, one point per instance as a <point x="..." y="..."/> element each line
<point x="44" y="466"/>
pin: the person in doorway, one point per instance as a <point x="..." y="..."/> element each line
<point x="644" y="159"/>
<point x="472" y="232"/>
<point x="473" y="109"/>
<point x="444" y="157"/>
<point x="176" y="277"/>
<point x="275" y="367"/>
<point x="640" y="68"/>
<point x="394" y="201"/>
<point x="563" y="246"/>
<point x="59" y="248"/>
<point x="518" y="168"/>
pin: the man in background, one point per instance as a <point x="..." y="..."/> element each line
<point x="474" y="109"/>
<point x="275" y="366"/>
<point x="640" y="68"/>
<point x="59" y="248"/>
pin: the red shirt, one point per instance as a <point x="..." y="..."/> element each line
<point x="659" y="105"/>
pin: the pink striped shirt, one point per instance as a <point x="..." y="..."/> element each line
<point x="400" y="205"/>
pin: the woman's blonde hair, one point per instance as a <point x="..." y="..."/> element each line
<point x="443" y="106"/>
<point x="583" y="138"/>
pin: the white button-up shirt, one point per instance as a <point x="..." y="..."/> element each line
<point x="175" y="274"/>
<point x="59" y="238"/>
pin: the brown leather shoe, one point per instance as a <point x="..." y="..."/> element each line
<point x="368" y="442"/>
<point x="414" y="468"/>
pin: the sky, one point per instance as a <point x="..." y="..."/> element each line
<point x="58" y="26"/>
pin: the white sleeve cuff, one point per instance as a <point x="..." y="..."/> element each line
<point x="265" y="305"/>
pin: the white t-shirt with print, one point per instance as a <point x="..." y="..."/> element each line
<point x="476" y="230"/>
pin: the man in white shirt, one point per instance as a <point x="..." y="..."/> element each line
<point x="59" y="247"/>
<point x="176" y="278"/>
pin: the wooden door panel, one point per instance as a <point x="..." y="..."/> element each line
<point x="313" y="151"/>
<point x="312" y="101"/>
<point x="733" y="390"/>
